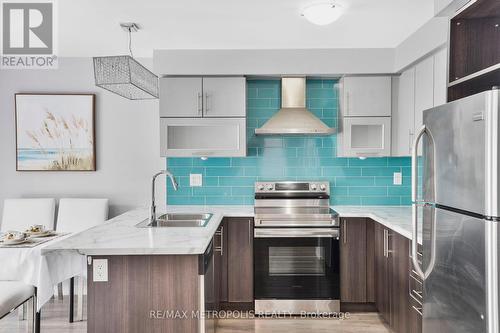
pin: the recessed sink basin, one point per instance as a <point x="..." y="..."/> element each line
<point x="178" y="220"/>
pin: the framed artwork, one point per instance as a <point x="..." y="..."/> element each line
<point x="55" y="132"/>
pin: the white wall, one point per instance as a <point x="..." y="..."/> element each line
<point x="424" y="41"/>
<point x="127" y="138"/>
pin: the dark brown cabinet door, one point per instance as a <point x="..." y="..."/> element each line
<point x="400" y="274"/>
<point x="218" y="251"/>
<point x="353" y="260"/>
<point x="221" y="247"/>
<point x="382" y="283"/>
<point x="240" y="260"/>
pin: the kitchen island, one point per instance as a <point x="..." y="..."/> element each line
<point x="156" y="278"/>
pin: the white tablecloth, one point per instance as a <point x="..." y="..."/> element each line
<point x="42" y="271"/>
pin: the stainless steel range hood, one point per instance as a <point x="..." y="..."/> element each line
<point x="293" y="118"/>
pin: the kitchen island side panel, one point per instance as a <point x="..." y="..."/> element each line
<point x="145" y="294"/>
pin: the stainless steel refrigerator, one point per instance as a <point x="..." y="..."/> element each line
<point x="459" y="203"/>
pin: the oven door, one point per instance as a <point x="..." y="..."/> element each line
<point x="296" y="263"/>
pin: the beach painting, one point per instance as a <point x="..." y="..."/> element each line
<point x="55" y="132"/>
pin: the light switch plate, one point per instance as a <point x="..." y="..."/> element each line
<point x="195" y="179"/>
<point x="100" y="270"/>
<point x="397" y="178"/>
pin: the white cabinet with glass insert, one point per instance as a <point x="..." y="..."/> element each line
<point x="203" y="137"/>
<point x="366" y="137"/>
<point x="365" y="110"/>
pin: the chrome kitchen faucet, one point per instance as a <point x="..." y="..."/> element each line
<point x="152" y="217"/>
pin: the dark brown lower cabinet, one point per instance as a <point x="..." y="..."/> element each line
<point x="400" y="269"/>
<point x="392" y="279"/>
<point x="353" y="258"/>
<point x="236" y="291"/>
<point x="382" y="283"/>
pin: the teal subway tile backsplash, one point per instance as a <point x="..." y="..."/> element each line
<point x="230" y="181"/>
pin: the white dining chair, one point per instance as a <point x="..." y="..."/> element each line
<point x="19" y="214"/>
<point x="14" y="294"/>
<point x="76" y="215"/>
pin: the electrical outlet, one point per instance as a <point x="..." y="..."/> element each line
<point x="397" y="178"/>
<point x="195" y="179"/>
<point x="100" y="270"/>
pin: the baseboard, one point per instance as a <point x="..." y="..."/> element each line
<point x="237" y="306"/>
<point x="357" y="307"/>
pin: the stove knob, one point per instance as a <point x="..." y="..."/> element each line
<point x="269" y="187"/>
<point x="322" y="187"/>
<point x="260" y="187"/>
<point x="313" y="187"/>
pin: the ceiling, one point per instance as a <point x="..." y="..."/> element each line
<point x="91" y="27"/>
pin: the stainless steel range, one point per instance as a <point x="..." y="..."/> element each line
<point x="296" y="249"/>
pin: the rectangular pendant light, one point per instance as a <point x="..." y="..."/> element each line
<point x="126" y="77"/>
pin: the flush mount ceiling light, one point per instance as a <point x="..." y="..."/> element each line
<point x="322" y="13"/>
<point x="125" y="76"/>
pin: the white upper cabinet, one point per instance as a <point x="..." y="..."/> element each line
<point x="424" y="89"/>
<point x="224" y="97"/>
<point x="181" y="97"/>
<point x="197" y="97"/>
<point x="403" y="117"/>
<point x="366" y="96"/>
<point x="419" y="88"/>
<point x="440" y="77"/>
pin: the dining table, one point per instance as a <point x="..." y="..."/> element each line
<point x="26" y="262"/>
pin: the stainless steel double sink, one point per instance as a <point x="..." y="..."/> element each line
<point x="177" y="220"/>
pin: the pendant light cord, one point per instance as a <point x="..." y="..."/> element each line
<point x="130" y="42"/>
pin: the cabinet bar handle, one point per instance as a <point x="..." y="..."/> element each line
<point x="206" y="103"/>
<point x="389" y="250"/>
<point x="344" y="232"/>
<point x="385" y="243"/>
<point x="200" y="102"/>
<point x="410" y="139"/>
<point x="250" y="232"/>
<point x="222" y="240"/>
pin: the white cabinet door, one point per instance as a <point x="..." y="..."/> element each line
<point x="203" y="137"/>
<point x="403" y="116"/>
<point x="424" y="89"/>
<point x="440" y="77"/>
<point x="224" y="97"/>
<point x="366" y="96"/>
<point x="181" y="97"/>
<point x="366" y="136"/>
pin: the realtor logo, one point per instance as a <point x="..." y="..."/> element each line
<point x="28" y="31"/>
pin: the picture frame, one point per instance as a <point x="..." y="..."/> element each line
<point x="55" y="132"/>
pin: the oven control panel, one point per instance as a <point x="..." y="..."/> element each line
<point x="291" y="187"/>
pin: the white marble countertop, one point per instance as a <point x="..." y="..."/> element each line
<point x="120" y="236"/>
<point x="397" y="219"/>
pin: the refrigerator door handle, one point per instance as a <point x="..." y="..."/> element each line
<point x="415" y="203"/>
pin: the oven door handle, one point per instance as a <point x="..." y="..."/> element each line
<point x="296" y="233"/>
